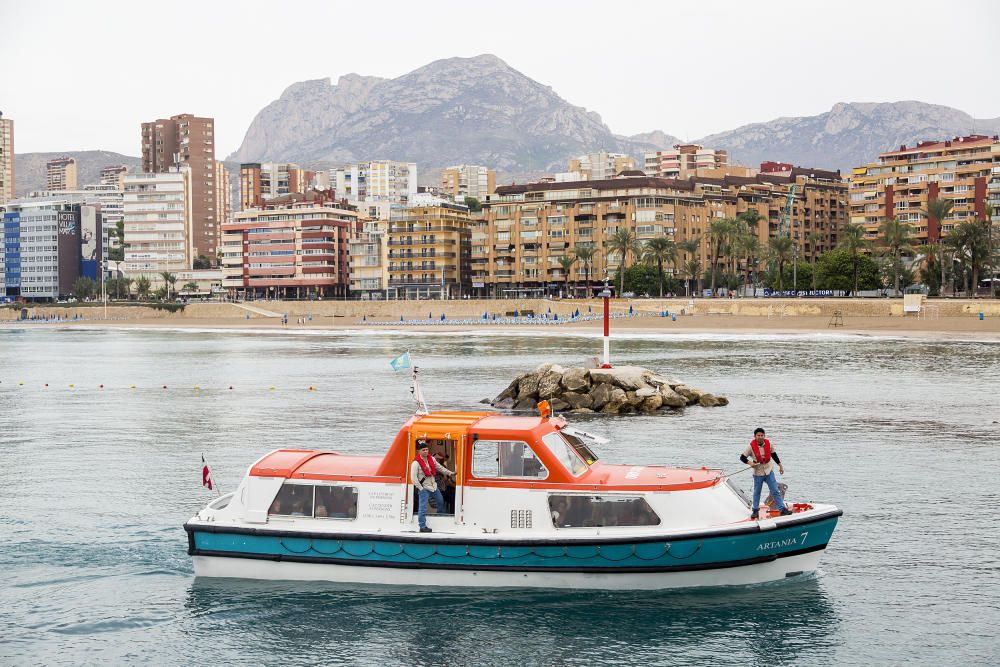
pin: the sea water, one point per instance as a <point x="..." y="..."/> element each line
<point x="97" y="482"/>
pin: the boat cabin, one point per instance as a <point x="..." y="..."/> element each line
<point x="513" y="473"/>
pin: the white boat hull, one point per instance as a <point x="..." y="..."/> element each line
<point x="241" y="568"/>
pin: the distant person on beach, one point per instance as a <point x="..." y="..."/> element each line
<point x="422" y="472"/>
<point x="762" y="457"/>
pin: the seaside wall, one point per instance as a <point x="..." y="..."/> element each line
<point x="343" y="312"/>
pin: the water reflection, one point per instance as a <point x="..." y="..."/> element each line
<point x="760" y="624"/>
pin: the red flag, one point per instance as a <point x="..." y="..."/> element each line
<point x="206" y="474"/>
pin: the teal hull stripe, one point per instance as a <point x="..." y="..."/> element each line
<point x="689" y="554"/>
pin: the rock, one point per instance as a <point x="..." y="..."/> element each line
<point x="721" y="400"/>
<point x="632" y="399"/>
<point x="707" y="401"/>
<point x="692" y="395"/>
<point x="526" y="404"/>
<point x="626" y="377"/>
<point x="646" y="392"/>
<point x="600" y="394"/>
<point x="558" y="405"/>
<point x="542" y="369"/>
<point x="578" y="400"/>
<point x="504" y="404"/>
<point x="548" y="385"/>
<point x="485" y="401"/>
<point x="616" y="402"/>
<point x="511" y="390"/>
<point x="671" y="398"/>
<point x="651" y="404"/>
<point x="581" y="411"/>
<point x="575" y="379"/>
<point x="527" y="387"/>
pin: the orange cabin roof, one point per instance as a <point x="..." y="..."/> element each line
<point x="319" y="464"/>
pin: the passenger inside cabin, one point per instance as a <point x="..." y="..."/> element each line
<point x="445" y="484"/>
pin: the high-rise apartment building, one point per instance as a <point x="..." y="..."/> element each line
<point x="108" y="200"/>
<point x="369" y="255"/>
<point x="158" y="222"/>
<point x="429" y="252"/>
<point x="60" y="174"/>
<point x="468" y="180"/>
<point x="189" y="141"/>
<point x="7" y="187"/>
<point x="292" y="246"/>
<point x="903" y="181"/>
<point x="260" y="181"/>
<point x="683" y="161"/>
<point x="114" y="175"/>
<point x="377" y="181"/>
<point x="527" y="228"/>
<point x="223" y="192"/>
<point x="596" y="166"/>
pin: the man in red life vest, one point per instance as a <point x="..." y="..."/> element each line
<point x="762" y="457"/>
<point x="422" y="472"/>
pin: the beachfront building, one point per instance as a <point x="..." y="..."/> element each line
<point x="902" y="182"/>
<point x="114" y="176"/>
<point x="376" y="181"/>
<point x="369" y="257"/>
<point x="596" y="166"/>
<point x="429" y="252"/>
<point x="468" y="180"/>
<point x="157" y="219"/>
<point x="527" y="228"/>
<point x="48" y="242"/>
<point x="7" y="189"/>
<point x="187" y="140"/>
<point x="683" y="161"/>
<point x="108" y="199"/>
<point x="261" y="181"/>
<point x="294" y="246"/>
<point x="60" y="174"/>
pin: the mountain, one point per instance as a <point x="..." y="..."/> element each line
<point x="848" y="135"/>
<point x="460" y="110"/>
<point x="29" y="168"/>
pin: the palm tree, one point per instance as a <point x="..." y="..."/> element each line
<point x="720" y="232"/>
<point x="814" y="239"/>
<point x="750" y="249"/>
<point x="190" y="287"/>
<point x="126" y="283"/>
<point x="623" y="243"/>
<point x="585" y="253"/>
<point x="567" y="262"/>
<point x="930" y="254"/>
<point x="780" y="250"/>
<point x="971" y="243"/>
<point x="938" y="210"/>
<point x="657" y="251"/>
<point x="169" y="280"/>
<point x="692" y="270"/>
<point x="895" y="237"/>
<point x="690" y="248"/>
<point x="854" y="241"/>
<point x="142" y="286"/>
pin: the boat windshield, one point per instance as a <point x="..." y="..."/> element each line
<point x="566" y="453"/>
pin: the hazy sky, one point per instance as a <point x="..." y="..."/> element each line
<point x="83" y="75"/>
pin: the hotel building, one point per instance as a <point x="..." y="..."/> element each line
<point x="291" y="247"/>
<point x="261" y="181"/>
<point x="378" y="181"/>
<point x="429" y="252"/>
<point x="683" y="161"/>
<point x="7" y="189"/>
<point x="157" y="210"/>
<point x="526" y="228"/>
<point x="467" y="180"/>
<point x="903" y="181"/>
<point x="187" y="140"/>
<point x="60" y="174"/>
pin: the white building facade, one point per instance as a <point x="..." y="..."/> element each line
<point x="157" y="210"/>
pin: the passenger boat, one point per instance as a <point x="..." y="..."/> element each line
<point x="533" y="507"/>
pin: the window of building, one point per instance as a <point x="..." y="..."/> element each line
<point x="506" y="459"/>
<point x="600" y="511"/>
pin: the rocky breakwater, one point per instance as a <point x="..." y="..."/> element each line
<point x="611" y="391"/>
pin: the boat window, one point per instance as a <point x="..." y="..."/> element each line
<point x="582" y="511"/>
<point x="336" y="502"/>
<point x="580" y="446"/>
<point x="567" y="455"/>
<point x="293" y="500"/>
<point x="506" y="458"/>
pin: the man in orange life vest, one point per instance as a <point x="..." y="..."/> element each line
<point x="762" y="455"/>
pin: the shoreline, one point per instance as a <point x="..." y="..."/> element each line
<point x="963" y="329"/>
